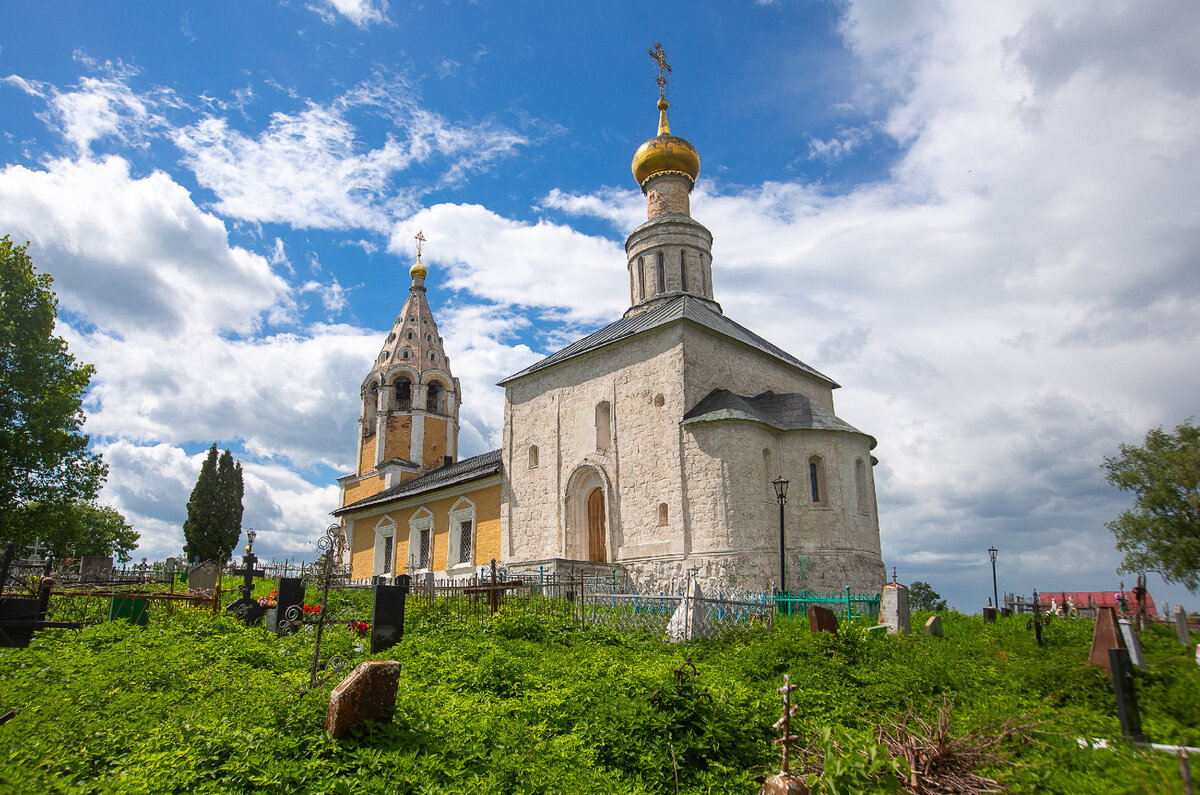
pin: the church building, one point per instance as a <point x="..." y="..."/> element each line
<point x="649" y="446"/>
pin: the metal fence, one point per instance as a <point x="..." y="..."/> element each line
<point x="848" y="604"/>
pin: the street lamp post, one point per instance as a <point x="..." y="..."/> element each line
<point x="995" y="594"/>
<point x="781" y="487"/>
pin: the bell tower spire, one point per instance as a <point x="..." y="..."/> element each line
<point x="671" y="254"/>
<point x="409" y="422"/>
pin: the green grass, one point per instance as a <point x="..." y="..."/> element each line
<point x="197" y="703"/>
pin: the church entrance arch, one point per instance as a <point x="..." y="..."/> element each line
<point x="587" y="531"/>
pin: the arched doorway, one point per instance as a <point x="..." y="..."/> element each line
<point x="587" y="516"/>
<point x="596" y="526"/>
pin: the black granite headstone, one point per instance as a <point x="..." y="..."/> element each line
<point x="1126" y="693"/>
<point x="989" y="615"/>
<point x="387" y="615"/>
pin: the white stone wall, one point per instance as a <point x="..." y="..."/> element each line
<point x="722" y="514"/>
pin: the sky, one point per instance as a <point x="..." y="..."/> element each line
<point x="981" y="219"/>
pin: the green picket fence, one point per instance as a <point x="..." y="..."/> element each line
<point x="848" y="604"/>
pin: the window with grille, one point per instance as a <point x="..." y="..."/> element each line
<point x="387" y="555"/>
<point x="426" y="559"/>
<point x="465" y="546"/>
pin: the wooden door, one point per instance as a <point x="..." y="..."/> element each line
<point x="595" y="506"/>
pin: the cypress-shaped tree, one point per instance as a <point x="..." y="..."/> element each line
<point x="230" y="489"/>
<point x="214" y="511"/>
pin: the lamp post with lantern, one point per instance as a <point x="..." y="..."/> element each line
<point x="781" y="487"/>
<point x="995" y="594"/>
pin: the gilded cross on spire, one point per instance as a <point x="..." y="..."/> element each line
<point x="660" y="58"/>
<point x="420" y="238"/>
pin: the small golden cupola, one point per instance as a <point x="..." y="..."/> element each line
<point x="669" y="256"/>
<point x="666" y="166"/>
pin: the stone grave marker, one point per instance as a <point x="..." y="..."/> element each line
<point x="989" y="615"/>
<point x="95" y="568"/>
<point x="933" y="627"/>
<point x="1181" y="626"/>
<point x="203" y="578"/>
<point x="821" y="619"/>
<point x="893" y="609"/>
<point x="1106" y="636"/>
<point x="387" y="614"/>
<point x="363" y="695"/>
<point x="169" y="569"/>
<point x="692" y="620"/>
<point x="1132" y="644"/>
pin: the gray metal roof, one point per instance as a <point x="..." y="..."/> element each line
<point x="459" y="472"/>
<point x="788" y="412"/>
<point x="681" y="308"/>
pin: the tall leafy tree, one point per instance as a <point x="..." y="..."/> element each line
<point x="921" y="596"/>
<point x="1161" y="532"/>
<point x="45" y="465"/>
<point x="214" y="511"/>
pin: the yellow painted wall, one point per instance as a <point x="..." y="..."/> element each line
<point x="435" y="443"/>
<point x="366" y="458"/>
<point x="364" y="488"/>
<point x="487" y="531"/>
<point x="399" y="437"/>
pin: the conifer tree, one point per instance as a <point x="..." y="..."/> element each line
<point x="214" y="520"/>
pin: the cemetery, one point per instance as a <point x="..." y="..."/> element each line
<point x="237" y="681"/>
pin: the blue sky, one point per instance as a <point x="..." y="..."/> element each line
<point x="982" y="222"/>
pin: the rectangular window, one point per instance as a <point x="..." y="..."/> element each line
<point x="683" y="271"/>
<point x="426" y="559"/>
<point x="464" y="542"/>
<point x="641" y="280"/>
<point x="387" y="555"/>
<point x="662" y="278"/>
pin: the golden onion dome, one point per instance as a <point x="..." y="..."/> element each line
<point x="418" y="270"/>
<point x="665" y="154"/>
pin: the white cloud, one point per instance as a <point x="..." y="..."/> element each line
<point x="133" y="254"/>
<point x="360" y="13"/>
<point x="310" y="169"/>
<point x="520" y="264"/>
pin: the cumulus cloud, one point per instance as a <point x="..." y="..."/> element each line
<point x="134" y="254"/>
<point x="575" y="277"/>
<point x="361" y="13"/>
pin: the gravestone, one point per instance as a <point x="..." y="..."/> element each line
<point x="989" y="615"/>
<point x="893" y="608"/>
<point x="203" y="578"/>
<point x="169" y="569"/>
<point x="1181" y="626"/>
<point x="821" y="619"/>
<point x="95" y="568"/>
<point x="1005" y="612"/>
<point x="387" y="614"/>
<point x="1132" y="643"/>
<point x="692" y="620"/>
<point x="933" y="627"/>
<point x="365" y="694"/>
<point x="289" y="594"/>
<point x="1106" y="636"/>
<point x="1126" y="692"/>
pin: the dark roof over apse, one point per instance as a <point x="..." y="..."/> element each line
<point x="683" y="308"/>
<point x="787" y="412"/>
<point x="459" y="472"/>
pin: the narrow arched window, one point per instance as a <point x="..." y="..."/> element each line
<point x="533" y="456"/>
<point x="816" y="479"/>
<point x="433" y="356"/>
<point x="682" y="270"/>
<point x="403" y="393"/>
<point x="662" y="275"/>
<point x="603" y="425"/>
<point x="408" y="336"/>
<point x="433" y="397"/>
<point x="860" y="485"/>
<point x="641" y="279"/>
<point x="767" y="470"/>
<point x="663" y="517"/>
<point x="406" y="354"/>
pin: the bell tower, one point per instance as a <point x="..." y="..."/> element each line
<point x="410" y="399"/>
<point x="671" y="254"/>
